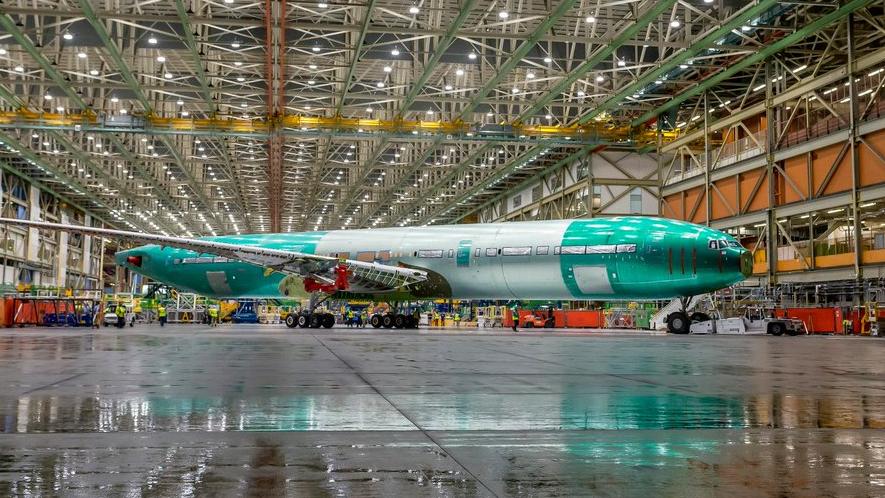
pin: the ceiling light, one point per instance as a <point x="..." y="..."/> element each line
<point x="622" y="63"/>
<point x="81" y="55"/>
<point x="323" y="5"/>
<point x="235" y="44"/>
<point x="429" y="111"/>
<point x="93" y="72"/>
<point x="448" y="87"/>
<point x="184" y="114"/>
<point x="745" y="28"/>
<point x="503" y="14"/>
<point x="380" y="84"/>
<point x="394" y="52"/>
<point x="160" y="58"/>
<point x="180" y="102"/>
<point x="60" y="109"/>
<point x="310" y="82"/>
<point x="548" y="117"/>
<point x="548" y="60"/>
<point x="123" y="111"/>
<point x="590" y="19"/>
<point x="19" y="69"/>
<point x="315" y="48"/>
<point x="369" y="110"/>
<point x="471" y="55"/>
<point x="459" y="72"/>
<point x="152" y="40"/>
<point x="168" y="76"/>
<point x="47" y="97"/>
<point x="580" y="93"/>
<point x="387" y="69"/>
<point x="490" y="114"/>
<point x="530" y="75"/>
<point x="515" y="90"/>
<point x="238" y="63"/>
<point x="68" y="36"/>
<point x="674" y="23"/>
<point x="414" y="9"/>
<point x="600" y="78"/>
<point x="241" y="79"/>
<point x="114" y="99"/>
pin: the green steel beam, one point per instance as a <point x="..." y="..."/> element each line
<point x="444" y="43"/>
<point x="757" y="57"/>
<point x="39" y="184"/>
<point x="410" y="170"/>
<point x="442" y="182"/>
<point x="135" y="86"/>
<point x="485" y="183"/>
<point x="707" y="41"/>
<point x="562" y="162"/>
<point x="356" y="55"/>
<point x="524" y="184"/>
<point x="72" y="183"/>
<point x="602" y="54"/>
<point x="9" y="26"/>
<point x="191" y="43"/>
<point x="517" y="55"/>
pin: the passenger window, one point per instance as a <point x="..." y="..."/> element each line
<point x="556" y="250"/>
<point x="542" y="250"/>
<point x="476" y="252"/>
<point x="383" y="256"/>
<point x="430" y="253"/>
<point x="491" y="252"/>
<point x="516" y="251"/>
<point x="451" y="253"/>
<point x="365" y="256"/>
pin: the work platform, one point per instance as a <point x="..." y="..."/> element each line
<point x="268" y="411"/>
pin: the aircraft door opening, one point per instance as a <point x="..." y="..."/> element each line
<point x="462" y="257"/>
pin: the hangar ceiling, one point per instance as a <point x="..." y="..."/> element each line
<point x="210" y="117"/>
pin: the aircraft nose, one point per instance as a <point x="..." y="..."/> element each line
<point x="746" y="263"/>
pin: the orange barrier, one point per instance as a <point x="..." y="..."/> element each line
<point x="817" y="320"/>
<point x="563" y="318"/>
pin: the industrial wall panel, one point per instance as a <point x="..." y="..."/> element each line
<point x="724" y="201"/>
<point x="871" y="163"/>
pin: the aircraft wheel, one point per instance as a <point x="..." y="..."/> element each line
<point x="328" y="321"/>
<point x="411" y="323"/>
<point x="376" y="321"/>
<point x="549" y="324"/>
<point x="698" y="316"/>
<point x="399" y="321"/>
<point x="291" y="321"/>
<point x="316" y="320"/>
<point x="793" y="332"/>
<point x="776" y="328"/>
<point x="387" y="321"/>
<point x="303" y="321"/>
<point x="678" y="323"/>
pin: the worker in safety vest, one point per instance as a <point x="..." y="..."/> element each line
<point x="457" y="319"/>
<point x="213" y="315"/>
<point x="349" y="320"/>
<point x="161" y="314"/>
<point x="120" y="311"/>
<point x="515" y="318"/>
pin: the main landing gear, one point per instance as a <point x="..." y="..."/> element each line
<point x="393" y="320"/>
<point x="679" y="322"/>
<point x="311" y="318"/>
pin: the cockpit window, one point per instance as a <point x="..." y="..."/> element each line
<point x="733" y="243"/>
<point x="712" y="244"/>
<point x="723" y="244"/>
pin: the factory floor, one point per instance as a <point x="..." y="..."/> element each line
<point x="268" y="411"/>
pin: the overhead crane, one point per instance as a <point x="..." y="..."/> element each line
<point x="591" y="133"/>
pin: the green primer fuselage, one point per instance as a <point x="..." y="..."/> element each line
<point x="601" y="258"/>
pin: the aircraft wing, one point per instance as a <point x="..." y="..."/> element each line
<point x="369" y="277"/>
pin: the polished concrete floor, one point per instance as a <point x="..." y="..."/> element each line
<point x="267" y="411"/>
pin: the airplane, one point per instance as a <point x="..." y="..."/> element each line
<point x="616" y="258"/>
